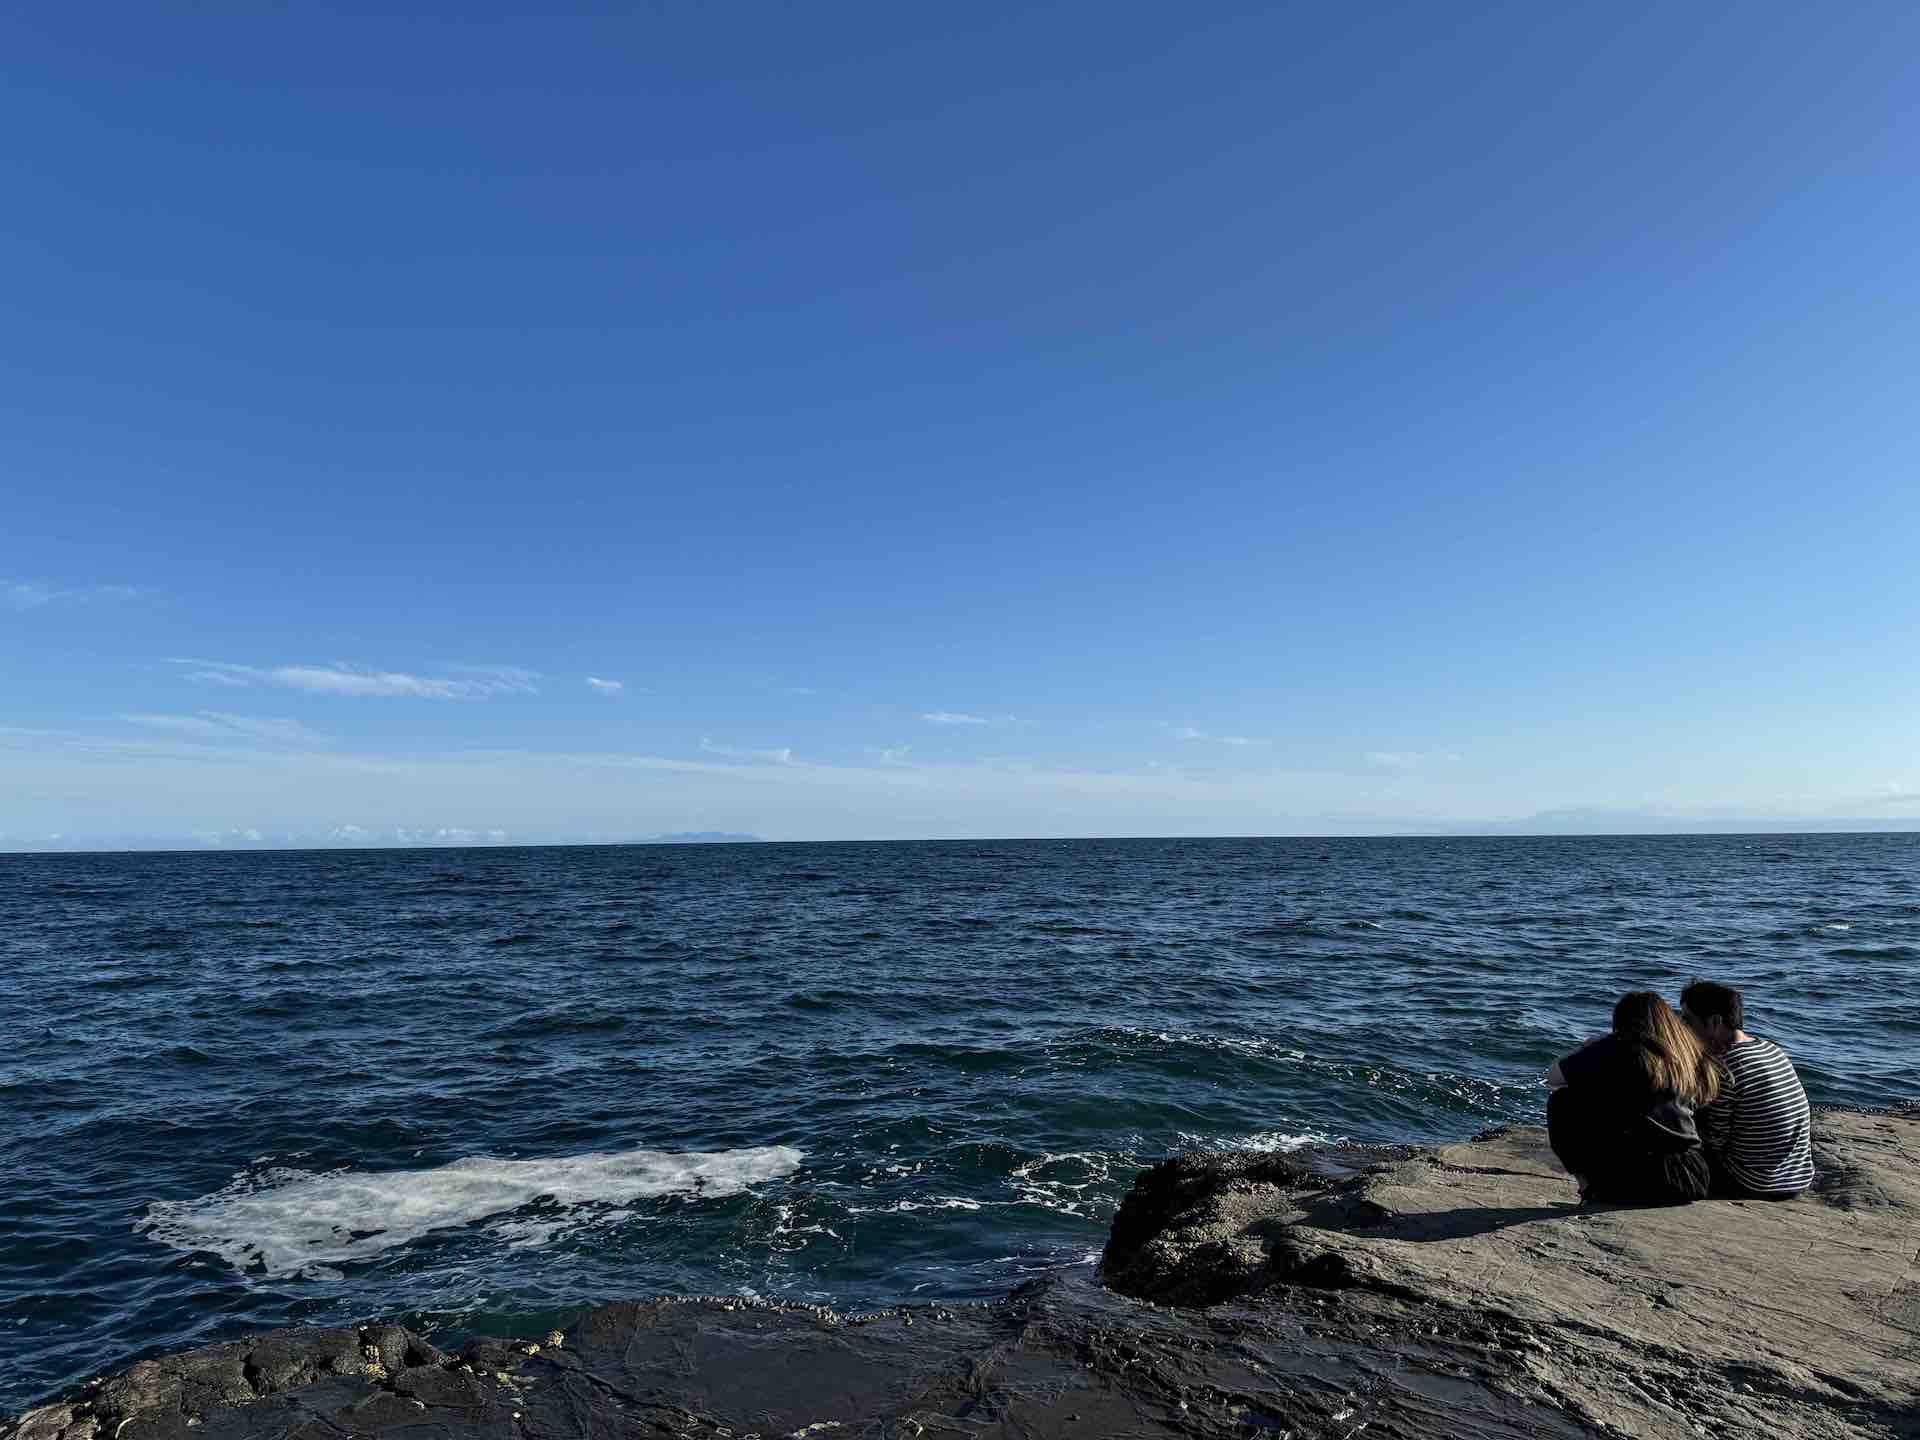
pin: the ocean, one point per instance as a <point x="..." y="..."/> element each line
<point x="477" y="1090"/>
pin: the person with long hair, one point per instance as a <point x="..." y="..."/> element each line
<point x="1621" y="1115"/>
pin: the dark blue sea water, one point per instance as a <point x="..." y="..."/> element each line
<point x="478" y="1088"/>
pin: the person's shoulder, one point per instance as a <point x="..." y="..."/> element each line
<point x="1759" y="1048"/>
<point x="1597" y="1056"/>
<point x="1760" y="1065"/>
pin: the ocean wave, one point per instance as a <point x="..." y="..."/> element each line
<point x="1282" y="929"/>
<point x="1075" y="1182"/>
<point x="565" y="1021"/>
<point x="286" y="1222"/>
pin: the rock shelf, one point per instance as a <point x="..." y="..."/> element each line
<point x="1384" y="1293"/>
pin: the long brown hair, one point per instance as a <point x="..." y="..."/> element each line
<point x="1671" y="1056"/>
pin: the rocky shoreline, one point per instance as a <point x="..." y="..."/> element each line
<point x="1399" y="1293"/>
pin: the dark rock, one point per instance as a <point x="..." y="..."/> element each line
<point x="156" y="1425"/>
<point x="390" y="1345"/>
<point x="150" y="1385"/>
<point x="444" y="1389"/>
<point x="46" y="1423"/>
<point x="492" y="1355"/>
<point x="287" y="1358"/>
<point x="1183" y="1234"/>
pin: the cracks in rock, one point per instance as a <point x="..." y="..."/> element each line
<point x="1448" y="1167"/>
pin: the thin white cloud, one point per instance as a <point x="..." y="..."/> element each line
<point x="240" y="835"/>
<point x="1187" y="732"/>
<point x="417" y="835"/>
<point x="55" y="780"/>
<point x="1894" y="793"/>
<point x="217" y="725"/>
<point x="503" y="678"/>
<point x="891" y="754"/>
<point x="781" y="756"/>
<point x="1404" y="761"/>
<point x="606" y="687"/>
<point x="328" y="680"/>
<point x="953" y="717"/>
<point x="33" y="594"/>
<point x="474" y="682"/>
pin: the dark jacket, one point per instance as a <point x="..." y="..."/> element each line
<point x="1632" y="1146"/>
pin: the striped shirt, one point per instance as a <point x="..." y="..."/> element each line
<point x="1757" y="1129"/>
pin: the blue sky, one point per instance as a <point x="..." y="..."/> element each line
<point x="1038" y="420"/>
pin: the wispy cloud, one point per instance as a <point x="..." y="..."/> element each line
<point x="503" y="678"/>
<point x="955" y="717"/>
<point x="219" y="726"/>
<point x="1187" y="732"/>
<point x="26" y="594"/>
<point x="449" y="835"/>
<point x="606" y="687"/>
<point x="1895" y="793"/>
<point x="891" y="754"/>
<point x="467" y="682"/>
<point x="1405" y="761"/>
<point x="423" y="835"/>
<point x="169" y="785"/>
<point x="33" y="594"/>
<point x="239" y="835"/>
<point x="782" y="756"/>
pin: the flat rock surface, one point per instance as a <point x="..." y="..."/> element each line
<point x="1399" y="1294"/>
<point x="1724" y="1317"/>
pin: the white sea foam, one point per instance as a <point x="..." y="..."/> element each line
<point x="290" y="1222"/>
<point x="1061" y="1182"/>
<point x="937" y="1202"/>
<point x="1264" y="1142"/>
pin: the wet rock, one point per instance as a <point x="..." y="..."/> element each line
<point x="391" y="1346"/>
<point x="150" y="1385"/>
<point x="46" y="1423"/>
<point x="444" y="1389"/>
<point x="492" y="1355"/>
<point x="287" y="1358"/>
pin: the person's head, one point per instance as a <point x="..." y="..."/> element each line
<point x="1674" y="1059"/>
<point x="1716" y="1013"/>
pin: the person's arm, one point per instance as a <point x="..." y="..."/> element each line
<point x="1715" y="1121"/>
<point x="1556" y="1076"/>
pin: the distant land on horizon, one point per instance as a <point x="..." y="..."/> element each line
<point x="1637" y="822"/>
<point x="1569" y="823"/>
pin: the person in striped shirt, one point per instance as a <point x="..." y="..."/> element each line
<point x="1756" y="1133"/>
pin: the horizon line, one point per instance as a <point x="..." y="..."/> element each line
<point x="1682" y="831"/>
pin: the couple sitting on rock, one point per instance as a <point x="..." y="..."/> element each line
<point x="1668" y="1108"/>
